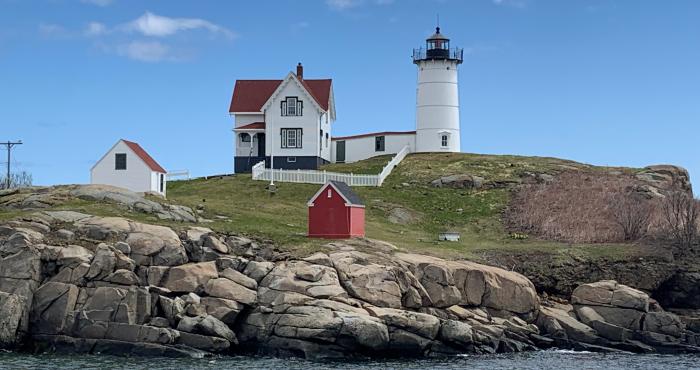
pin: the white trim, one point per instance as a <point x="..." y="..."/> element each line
<point x="244" y="113"/>
<point x="320" y="191"/>
<point x="292" y="76"/>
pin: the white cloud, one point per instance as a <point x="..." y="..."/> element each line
<point x="348" y="4"/>
<point x="300" y="26"/>
<point x="95" y="29"/>
<point x="145" y="51"/>
<point x="343" y="4"/>
<point x="98" y="2"/>
<point x="52" y="30"/>
<point x="513" y="3"/>
<point x="154" y="25"/>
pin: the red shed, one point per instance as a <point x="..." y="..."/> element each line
<point x="336" y="212"/>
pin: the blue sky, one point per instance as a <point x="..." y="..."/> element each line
<point x="608" y="82"/>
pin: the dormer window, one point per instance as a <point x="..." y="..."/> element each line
<point x="292" y="107"/>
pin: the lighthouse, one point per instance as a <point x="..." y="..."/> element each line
<point x="437" y="95"/>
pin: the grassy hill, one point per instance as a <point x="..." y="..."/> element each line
<point x="422" y="210"/>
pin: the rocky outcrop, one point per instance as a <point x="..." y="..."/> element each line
<point x="659" y="180"/>
<point x="123" y="287"/>
<point x="682" y="290"/>
<point x="119" y="286"/>
<point x="606" y="315"/>
<point x="44" y="197"/>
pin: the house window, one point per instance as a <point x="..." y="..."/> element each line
<point x="292" y="106"/>
<point x="162" y="180"/>
<point x="379" y="144"/>
<point x="120" y="161"/>
<point x="326" y="140"/>
<point x="291" y="137"/>
<point x="444" y="141"/>
<point x="245" y="138"/>
<point x="292" y="159"/>
<point x="320" y="140"/>
<point x="330" y="194"/>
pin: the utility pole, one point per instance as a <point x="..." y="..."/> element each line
<point x="9" y="145"/>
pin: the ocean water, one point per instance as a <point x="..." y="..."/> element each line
<point x="532" y="360"/>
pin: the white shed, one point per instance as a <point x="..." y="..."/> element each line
<point x="128" y="166"/>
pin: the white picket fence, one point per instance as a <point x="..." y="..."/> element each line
<point x="321" y="177"/>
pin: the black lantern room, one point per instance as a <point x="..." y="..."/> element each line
<point x="437" y="47"/>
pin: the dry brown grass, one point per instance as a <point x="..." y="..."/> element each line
<point x="583" y="207"/>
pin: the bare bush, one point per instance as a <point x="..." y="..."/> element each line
<point x="632" y="213"/>
<point x="581" y="207"/>
<point x="17" y="180"/>
<point x="680" y="216"/>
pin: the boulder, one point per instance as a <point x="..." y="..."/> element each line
<point x="368" y="281"/>
<point x="424" y="325"/>
<point x="13" y="319"/>
<point x="191" y="277"/>
<point x="664" y="323"/>
<point x="464" y="181"/>
<point x="557" y="322"/>
<point x="258" y="270"/>
<point x="456" y="332"/>
<point x="225" y="310"/>
<point x="227" y="289"/>
<point x="103" y="264"/>
<point x="211" y="241"/>
<point x="74" y="255"/>
<point x="284" y="278"/>
<point x="239" y="278"/>
<point x="207" y="325"/>
<point x="123" y="277"/>
<point x="52" y="304"/>
<point x="610" y="293"/>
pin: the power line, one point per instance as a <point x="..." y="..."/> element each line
<point x="9" y="145"/>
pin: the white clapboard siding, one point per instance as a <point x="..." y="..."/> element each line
<point x="321" y="177"/>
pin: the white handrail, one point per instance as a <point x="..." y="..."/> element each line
<point x="259" y="172"/>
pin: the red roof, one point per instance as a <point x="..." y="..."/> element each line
<point x="150" y="162"/>
<point x="252" y="126"/>
<point x="384" y="133"/>
<point x="250" y="95"/>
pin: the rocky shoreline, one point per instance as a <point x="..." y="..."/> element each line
<point x="76" y="283"/>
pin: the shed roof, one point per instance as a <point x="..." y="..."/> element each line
<point x="351" y="198"/>
<point x="346" y="191"/>
<point x="145" y="157"/>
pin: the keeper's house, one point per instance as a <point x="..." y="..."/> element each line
<point x="293" y="116"/>
<point x="127" y="165"/>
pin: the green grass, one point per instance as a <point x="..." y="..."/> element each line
<point x="282" y="218"/>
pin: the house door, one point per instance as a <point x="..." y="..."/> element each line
<point x="261" y="145"/>
<point x="340" y="151"/>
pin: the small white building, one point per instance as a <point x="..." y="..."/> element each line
<point x="127" y="165"/>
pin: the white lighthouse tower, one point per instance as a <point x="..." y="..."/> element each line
<point x="437" y="95"/>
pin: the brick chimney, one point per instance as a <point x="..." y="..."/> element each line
<point x="300" y="71"/>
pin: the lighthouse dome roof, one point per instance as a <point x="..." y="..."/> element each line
<point x="437" y="35"/>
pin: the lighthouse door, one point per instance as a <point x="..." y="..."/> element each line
<point x="340" y="151"/>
